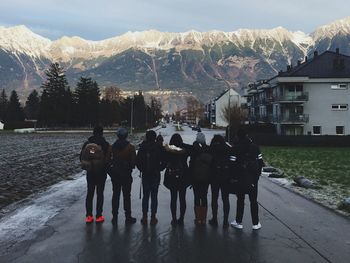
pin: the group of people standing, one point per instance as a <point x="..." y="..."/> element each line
<point x="225" y="168"/>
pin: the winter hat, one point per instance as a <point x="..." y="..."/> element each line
<point x="151" y="136"/>
<point x="200" y="138"/>
<point x="122" y="133"/>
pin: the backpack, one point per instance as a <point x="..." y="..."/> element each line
<point x="248" y="162"/>
<point x="202" y="167"/>
<point x="119" y="166"/>
<point x="92" y="158"/>
<point x="174" y="173"/>
<point x="149" y="161"/>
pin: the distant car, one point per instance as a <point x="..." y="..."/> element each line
<point x="163" y="125"/>
<point x="196" y="128"/>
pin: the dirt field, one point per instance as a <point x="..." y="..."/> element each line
<point x="32" y="162"/>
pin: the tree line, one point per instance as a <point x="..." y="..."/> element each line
<point x="58" y="106"/>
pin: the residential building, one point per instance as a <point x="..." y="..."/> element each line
<point x="311" y="98"/>
<point x="215" y="108"/>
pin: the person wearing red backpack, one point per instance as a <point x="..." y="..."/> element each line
<point x="94" y="157"/>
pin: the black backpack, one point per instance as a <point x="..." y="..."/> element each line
<point x="202" y="166"/>
<point x="149" y="161"/>
<point x="247" y="161"/>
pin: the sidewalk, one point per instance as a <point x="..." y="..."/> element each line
<point x="294" y="230"/>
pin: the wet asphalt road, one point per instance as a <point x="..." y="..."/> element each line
<point x="294" y="230"/>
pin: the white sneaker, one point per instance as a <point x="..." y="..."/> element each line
<point x="256" y="227"/>
<point x="236" y="225"/>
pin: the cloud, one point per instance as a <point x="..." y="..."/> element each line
<point x="96" y="20"/>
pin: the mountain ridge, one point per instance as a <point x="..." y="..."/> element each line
<point x="192" y="61"/>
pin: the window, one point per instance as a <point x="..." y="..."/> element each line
<point x="339" y="106"/>
<point x="339" y="130"/>
<point x="316" y="130"/>
<point x="339" y="86"/>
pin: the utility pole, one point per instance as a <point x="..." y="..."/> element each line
<point x="132" y="115"/>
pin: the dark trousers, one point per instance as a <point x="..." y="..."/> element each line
<point x="254" y="208"/>
<point x="119" y="186"/>
<point x="215" y="189"/>
<point x="200" y="194"/>
<point x="150" y="189"/>
<point x="98" y="185"/>
<point x="174" y="193"/>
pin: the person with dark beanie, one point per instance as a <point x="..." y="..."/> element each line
<point x="176" y="177"/>
<point x="96" y="174"/>
<point x="122" y="164"/>
<point x="220" y="151"/>
<point x="149" y="161"/>
<point x="249" y="163"/>
<point x="200" y="167"/>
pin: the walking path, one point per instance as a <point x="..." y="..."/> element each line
<point x="294" y="230"/>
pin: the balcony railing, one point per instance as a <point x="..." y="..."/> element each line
<point x="290" y="118"/>
<point x="304" y="96"/>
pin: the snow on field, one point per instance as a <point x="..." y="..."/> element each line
<point x="23" y="222"/>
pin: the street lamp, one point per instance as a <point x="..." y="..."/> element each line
<point x="131" y="115"/>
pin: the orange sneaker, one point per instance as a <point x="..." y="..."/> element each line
<point x="89" y="219"/>
<point x="100" y="219"/>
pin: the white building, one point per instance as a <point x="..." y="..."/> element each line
<point x="1" y="126"/>
<point x="215" y="108"/>
<point x="311" y="98"/>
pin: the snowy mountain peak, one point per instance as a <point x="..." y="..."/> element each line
<point x="341" y="26"/>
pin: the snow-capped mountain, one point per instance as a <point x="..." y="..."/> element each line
<point x="191" y="60"/>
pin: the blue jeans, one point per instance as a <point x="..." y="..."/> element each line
<point x="150" y="188"/>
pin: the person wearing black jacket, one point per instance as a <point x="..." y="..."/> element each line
<point x="149" y="161"/>
<point x="220" y="151"/>
<point x="122" y="164"/>
<point x="96" y="179"/>
<point x="249" y="162"/>
<point x="200" y="165"/>
<point x="176" y="177"/>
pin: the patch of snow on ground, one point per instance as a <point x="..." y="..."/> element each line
<point x="21" y="224"/>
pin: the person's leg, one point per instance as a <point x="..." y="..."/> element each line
<point x="126" y="188"/>
<point x="115" y="199"/>
<point x="154" y="202"/>
<point x="254" y="207"/>
<point x="100" y="198"/>
<point x="182" y="198"/>
<point x="89" y="196"/>
<point x="240" y="208"/>
<point x="146" y="189"/>
<point x="204" y="203"/>
<point x="197" y="202"/>
<point x="226" y="204"/>
<point x="214" y="203"/>
<point x="173" y="205"/>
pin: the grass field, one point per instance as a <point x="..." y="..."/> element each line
<point x="326" y="166"/>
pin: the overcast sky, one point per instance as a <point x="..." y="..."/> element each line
<point x="100" y="19"/>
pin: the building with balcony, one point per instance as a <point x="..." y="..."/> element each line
<point x="215" y="107"/>
<point x="311" y="98"/>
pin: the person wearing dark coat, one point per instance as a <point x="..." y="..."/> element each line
<point x="96" y="179"/>
<point x="176" y="177"/>
<point x="249" y="162"/>
<point x="122" y="164"/>
<point x="149" y="161"/>
<point x="220" y="151"/>
<point x="200" y="165"/>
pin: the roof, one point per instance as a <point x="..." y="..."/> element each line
<point x="326" y="65"/>
<point x="223" y="93"/>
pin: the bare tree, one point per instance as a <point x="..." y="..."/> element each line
<point x="234" y="116"/>
<point x="195" y="109"/>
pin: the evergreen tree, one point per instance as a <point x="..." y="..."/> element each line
<point x="3" y="104"/>
<point x="14" y="111"/>
<point x="54" y="103"/>
<point x="32" y="105"/>
<point x="87" y="98"/>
